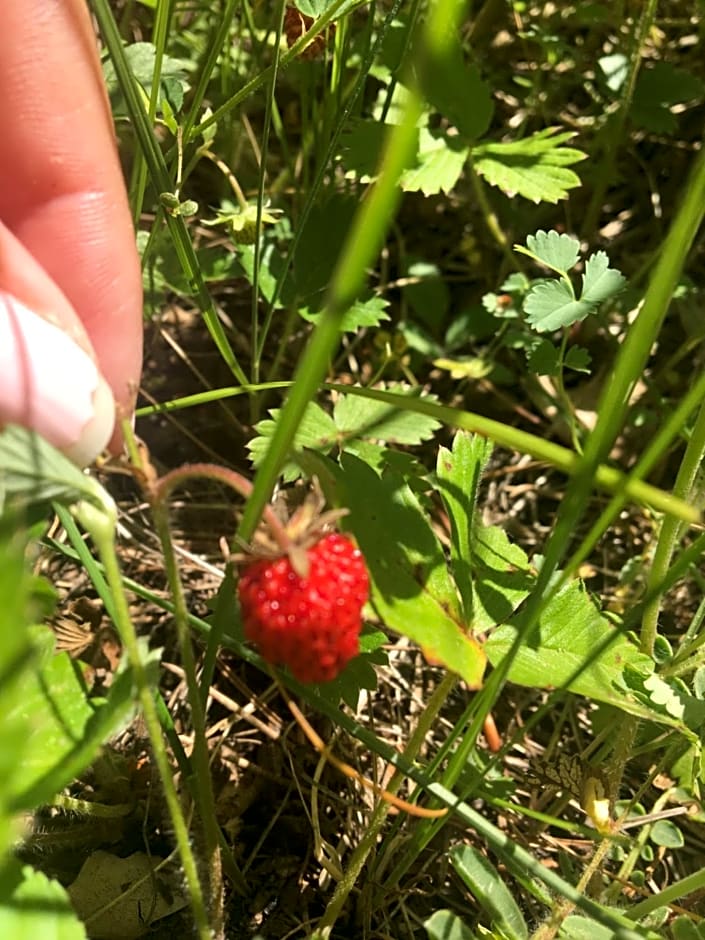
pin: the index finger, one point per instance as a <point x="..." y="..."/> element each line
<point x="63" y="193"/>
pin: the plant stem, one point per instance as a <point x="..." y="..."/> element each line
<point x="369" y="840"/>
<point x="205" y="800"/>
<point x="685" y="488"/>
<point x="106" y="547"/>
<point x="614" y="127"/>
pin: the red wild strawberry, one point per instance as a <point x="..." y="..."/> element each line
<point x="310" y="623"/>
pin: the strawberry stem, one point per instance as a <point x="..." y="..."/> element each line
<point x="160" y="489"/>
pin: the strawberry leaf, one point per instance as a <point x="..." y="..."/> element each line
<point x="412" y="590"/>
<point x="550" y="305"/>
<point x="577" y="359"/>
<point x="599" y="280"/>
<point x="358" y="417"/>
<point x="362" y="313"/>
<point x="317" y="431"/>
<point x="440" y="160"/>
<point x="534" y="168"/>
<point x="573" y="647"/>
<point x="457" y="92"/>
<point x="459" y="471"/>
<point x="543" y="358"/>
<point x="557" y="251"/>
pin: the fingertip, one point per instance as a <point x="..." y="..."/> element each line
<point x="51" y="385"/>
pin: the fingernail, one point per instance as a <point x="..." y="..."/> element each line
<point x="49" y="384"/>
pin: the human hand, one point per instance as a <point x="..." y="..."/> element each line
<point x="70" y="283"/>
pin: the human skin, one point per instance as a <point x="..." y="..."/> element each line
<point x="67" y="246"/>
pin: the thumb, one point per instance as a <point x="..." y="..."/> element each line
<point x="49" y="380"/>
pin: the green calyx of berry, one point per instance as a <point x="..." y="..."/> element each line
<point x="293" y="535"/>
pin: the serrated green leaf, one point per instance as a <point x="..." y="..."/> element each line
<point x="551" y="305"/>
<point x="502" y="578"/>
<point x="675" y="701"/>
<point x="440" y="160"/>
<point x="361" y="146"/>
<point x="557" y="251"/>
<point x="445" y="925"/>
<point x="363" y="313"/>
<point x="35" y="907"/>
<point x="358" y="417"/>
<point x="317" y="431"/>
<point x="578" y="359"/>
<point x="141" y="58"/>
<point x="490" y="891"/>
<point x="412" y="590"/>
<point x="533" y="168"/>
<point x="544" y="358"/>
<point x="599" y="280"/>
<point x="572" y="647"/>
<point x="458" y="472"/>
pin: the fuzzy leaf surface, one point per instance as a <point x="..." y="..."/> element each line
<point x="364" y="418"/>
<point x="317" y="431"/>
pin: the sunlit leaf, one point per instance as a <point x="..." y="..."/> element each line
<point x="440" y="160"/>
<point x="36" y="907"/>
<point x="534" y="168"/>
<point x="600" y="281"/>
<point x="556" y="250"/>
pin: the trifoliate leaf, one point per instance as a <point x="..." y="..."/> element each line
<point x="533" y="168"/>
<point x="556" y="251"/>
<point x="599" y="280"/>
<point x="551" y="305"/>
<point x="440" y="160"/>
